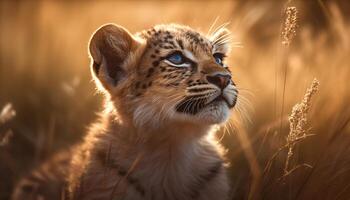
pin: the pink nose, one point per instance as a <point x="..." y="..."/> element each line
<point x="219" y="80"/>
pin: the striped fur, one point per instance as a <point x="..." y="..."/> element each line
<point x="45" y="182"/>
<point x="154" y="139"/>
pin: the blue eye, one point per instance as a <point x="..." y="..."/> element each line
<point x="176" y="58"/>
<point x="219" y="58"/>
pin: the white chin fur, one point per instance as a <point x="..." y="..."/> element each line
<point x="214" y="113"/>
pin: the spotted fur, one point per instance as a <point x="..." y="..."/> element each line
<point x="153" y="140"/>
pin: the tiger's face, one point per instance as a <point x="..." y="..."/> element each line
<point x="165" y="74"/>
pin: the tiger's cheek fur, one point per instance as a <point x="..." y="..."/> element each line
<point x="157" y="87"/>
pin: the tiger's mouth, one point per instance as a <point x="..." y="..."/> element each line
<point x="220" y="98"/>
<point x="192" y="107"/>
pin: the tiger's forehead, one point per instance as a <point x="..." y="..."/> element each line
<point x="177" y="37"/>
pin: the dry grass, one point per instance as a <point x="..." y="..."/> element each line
<point x="44" y="74"/>
<point x="290" y="25"/>
<point x="6" y="115"/>
<point x="298" y="123"/>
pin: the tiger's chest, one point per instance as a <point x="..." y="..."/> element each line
<point x="155" y="182"/>
<point x="193" y="174"/>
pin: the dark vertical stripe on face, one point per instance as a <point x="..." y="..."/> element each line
<point x="194" y="67"/>
<point x="180" y="44"/>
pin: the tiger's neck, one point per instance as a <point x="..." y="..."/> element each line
<point x="166" y="141"/>
<point x="175" y="157"/>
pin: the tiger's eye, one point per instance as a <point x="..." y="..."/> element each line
<point x="176" y="58"/>
<point x="219" y="58"/>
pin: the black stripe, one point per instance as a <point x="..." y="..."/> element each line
<point x="203" y="179"/>
<point x="191" y="105"/>
<point x="180" y="44"/>
<point x="104" y="158"/>
<point x="198" y="89"/>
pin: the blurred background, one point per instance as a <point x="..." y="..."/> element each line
<point x="47" y="98"/>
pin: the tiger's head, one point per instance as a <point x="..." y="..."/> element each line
<point x="169" y="73"/>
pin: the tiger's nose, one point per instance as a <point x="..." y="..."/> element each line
<point x="220" y="80"/>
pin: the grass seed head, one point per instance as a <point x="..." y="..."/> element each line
<point x="298" y="122"/>
<point x="290" y="25"/>
<point x="298" y="117"/>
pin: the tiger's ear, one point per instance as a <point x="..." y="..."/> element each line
<point x="114" y="51"/>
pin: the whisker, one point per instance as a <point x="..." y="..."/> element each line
<point x="212" y="26"/>
<point x="242" y="111"/>
<point x="220" y="27"/>
<point x="224" y="39"/>
<point x="203" y="86"/>
<point x="226" y="36"/>
<point x="199" y="91"/>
